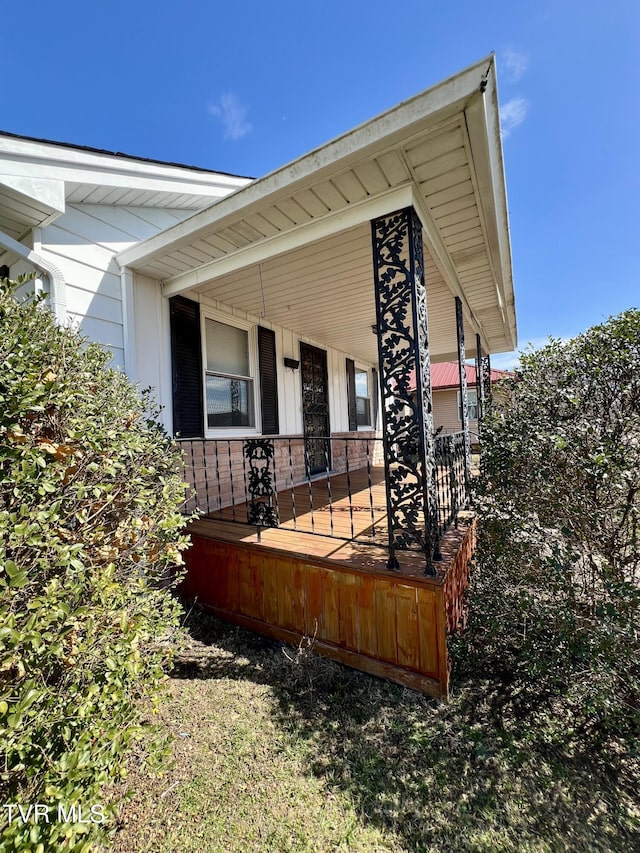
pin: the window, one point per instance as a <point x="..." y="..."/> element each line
<point x="363" y="398"/>
<point x="229" y="386"/>
<point x="234" y="360"/>
<point x="472" y="405"/>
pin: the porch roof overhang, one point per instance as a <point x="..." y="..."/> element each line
<point x="27" y="203"/>
<point x="295" y="246"/>
<point x="40" y="177"/>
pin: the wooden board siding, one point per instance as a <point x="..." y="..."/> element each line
<point x="457" y="580"/>
<point x="393" y="625"/>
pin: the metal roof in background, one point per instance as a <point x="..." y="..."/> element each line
<point x="444" y="375"/>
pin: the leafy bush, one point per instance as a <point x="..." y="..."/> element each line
<point x="89" y="539"/>
<point x="556" y="594"/>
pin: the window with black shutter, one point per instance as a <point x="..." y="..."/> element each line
<point x="268" y="380"/>
<point x="186" y="368"/>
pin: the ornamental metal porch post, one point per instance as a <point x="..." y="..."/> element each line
<point x="407" y="418"/>
<point x="479" y="382"/>
<point x="486" y="378"/>
<point x="464" y="401"/>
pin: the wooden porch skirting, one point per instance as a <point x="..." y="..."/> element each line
<point x="291" y="584"/>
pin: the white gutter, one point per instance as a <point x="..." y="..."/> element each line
<point x="126" y="293"/>
<point x="57" y="293"/>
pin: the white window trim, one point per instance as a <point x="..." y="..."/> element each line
<point x="370" y="426"/>
<point x="458" y="406"/>
<point x="207" y="313"/>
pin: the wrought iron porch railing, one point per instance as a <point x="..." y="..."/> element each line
<point x="267" y="482"/>
<point x="452" y="488"/>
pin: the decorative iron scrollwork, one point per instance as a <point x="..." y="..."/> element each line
<point x="403" y="351"/>
<point x="479" y="382"/>
<point x="464" y="399"/>
<point x="261" y="511"/>
<point x="486" y="378"/>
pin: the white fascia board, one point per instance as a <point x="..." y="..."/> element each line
<point x="483" y="126"/>
<point x="379" y="132"/>
<point x="308" y="232"/>
<point x="37" y="159"/>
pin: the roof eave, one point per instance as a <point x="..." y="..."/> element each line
<point x="450" y="95"/>
<point x="45" y="160"/>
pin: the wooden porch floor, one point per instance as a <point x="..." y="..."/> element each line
<point x="321" y="520"/>
<point x="324" y="506"/>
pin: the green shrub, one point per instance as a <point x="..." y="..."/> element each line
<point x="555" y="598"/>
<point x="89" y="539"/>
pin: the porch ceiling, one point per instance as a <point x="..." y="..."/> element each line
<point x="295" y="247"/>
<point x="325" y="292"/>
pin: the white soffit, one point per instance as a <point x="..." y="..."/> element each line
<point x="51" y="172"/>
<point x="324" y="292"/>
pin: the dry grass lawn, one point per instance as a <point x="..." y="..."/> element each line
<point x="274" y="751"/>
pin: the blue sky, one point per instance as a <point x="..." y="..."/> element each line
<point x="246" y="87"/>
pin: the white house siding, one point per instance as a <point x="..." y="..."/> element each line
<point x="152" y="336"/>
<point x="152" y="340"/>
<point x="289" y="381"/>
<point x="21" y="268"/>
<point x="83" y="243"/>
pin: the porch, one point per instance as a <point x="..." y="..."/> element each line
<point x="303" y="313"/>
<point x="319" y="570"/>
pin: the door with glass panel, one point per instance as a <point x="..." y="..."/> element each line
<point x="229" y="386"/>
<point x="315" y="408"/>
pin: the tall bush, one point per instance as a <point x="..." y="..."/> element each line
<point x="555" y="597"/>
<point x="89" y="540"/>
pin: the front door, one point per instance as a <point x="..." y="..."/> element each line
<point x="315" y="408"/>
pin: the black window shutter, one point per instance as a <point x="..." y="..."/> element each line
<point x="351" y="395"/>
<point x="186" y="368"/>
<point x="375" y="391"/>
<point x="268" y="380"/>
